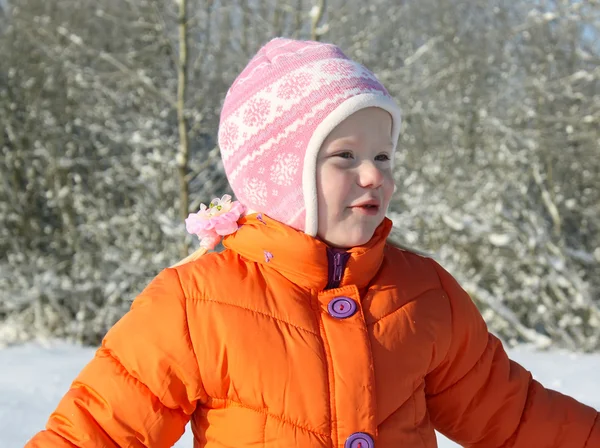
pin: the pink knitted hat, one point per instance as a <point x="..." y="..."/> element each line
<point x="277" y="114"/>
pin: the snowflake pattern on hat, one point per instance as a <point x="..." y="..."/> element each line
<point x="228" y="136"/>
<point x="294" y="85"/>
<point x="256" y="191"/>
<point x="339" y="68"/>
<point x="256" y="111"/>
<point x="284" y="169"/>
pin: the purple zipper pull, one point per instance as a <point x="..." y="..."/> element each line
<point x="337" y="264"/>
<point x="338" y="270"/>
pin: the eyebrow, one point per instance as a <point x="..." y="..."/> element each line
<point x="349" y="140"/>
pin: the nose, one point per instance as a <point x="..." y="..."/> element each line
<point x="370" y="175"/>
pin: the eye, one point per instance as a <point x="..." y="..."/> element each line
<point x="345" y="155"/>
<point x="383" y="158"/>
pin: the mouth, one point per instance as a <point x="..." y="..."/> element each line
<point x="368" y="207"/>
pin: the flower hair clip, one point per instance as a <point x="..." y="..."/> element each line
<point x="215" y="221"/>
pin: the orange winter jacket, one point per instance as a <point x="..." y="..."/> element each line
<point x="281" y="342"/>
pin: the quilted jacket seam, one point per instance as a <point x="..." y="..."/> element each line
<point x="280" y="418"/>
<point x="204" y="299"/>
<point x="163" y="408"/>
<point x="589" y="436"/>
<point x="401" y="308"/>
<point x="187" y="328"/>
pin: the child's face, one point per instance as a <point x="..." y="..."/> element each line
<point x="354" y="178"/>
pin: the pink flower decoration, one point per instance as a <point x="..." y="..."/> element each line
<point x="213" y="222"/>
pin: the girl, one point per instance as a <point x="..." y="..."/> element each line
<point x="309" y="330"/>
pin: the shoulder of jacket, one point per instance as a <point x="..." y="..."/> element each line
<point x="396" y="252"/>
<point x="207" y="272"/>
<point x="411" y="264"/>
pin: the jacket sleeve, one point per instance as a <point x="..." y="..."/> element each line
<point x="143" y="383"/>
<point x="478" y="397"/>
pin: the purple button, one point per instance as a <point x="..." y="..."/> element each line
<point x="341" y="307"/>
<point x="359" y="440"/>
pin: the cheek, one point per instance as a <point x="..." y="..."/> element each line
<point x="331" y="187"/>
<point x="388" y="188"/>
<point x="321" y="175"/>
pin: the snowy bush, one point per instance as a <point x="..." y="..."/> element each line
<point x="497" y="167"/>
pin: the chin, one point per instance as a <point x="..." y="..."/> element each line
<point x="362" y="241"/>
<point x="352" y="234"/>
<point x="349" y="241"/>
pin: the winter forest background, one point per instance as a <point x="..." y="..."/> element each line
<point x="109" y="113"/>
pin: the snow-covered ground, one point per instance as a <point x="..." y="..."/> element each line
<point x="34" y="377"/>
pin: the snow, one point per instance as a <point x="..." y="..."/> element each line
<point x="34" y="377"/>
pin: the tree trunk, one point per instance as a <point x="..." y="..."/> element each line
<point x="183" y="156"/>
<point x="317" y="14"/>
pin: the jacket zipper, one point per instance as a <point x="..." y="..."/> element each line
<point x="337" y="264"/>
<point x="338" y="269"/>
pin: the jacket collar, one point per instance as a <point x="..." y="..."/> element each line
<point x="301" y="258"/>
